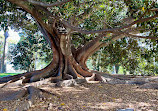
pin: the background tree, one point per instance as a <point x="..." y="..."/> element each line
<point x="3" y="55"/>
<point x="30" y="49"/>
<point x="1" y="46"/>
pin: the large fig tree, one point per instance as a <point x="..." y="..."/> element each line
<point x="98" y="22"/>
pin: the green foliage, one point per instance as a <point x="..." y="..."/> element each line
<point x="7" y="74"/>
<point x="141" y="8"/>
<point x="30" y="49"/>
<point x="31" y="43"/>
<point x="136" y="56"/>
<point x="11" y="16"/>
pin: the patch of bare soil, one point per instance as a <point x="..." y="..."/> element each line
<point x="89" y="97"/>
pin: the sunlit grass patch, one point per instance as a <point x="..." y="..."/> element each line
<point x="7" y="74"/>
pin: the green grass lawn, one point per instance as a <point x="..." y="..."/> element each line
<point x="6" y="74"/>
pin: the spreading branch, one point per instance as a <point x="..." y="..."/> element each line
<point x="137" y="36"/>
<point x="89" y="47"/>
<point x="48" y="5"/>
<point x="154" y="9"/>
<point x="112" y="30"/>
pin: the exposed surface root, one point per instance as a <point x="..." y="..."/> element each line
<point x="70" y="83"/>
<point x="33" y="94"/>
<point x="39" y="83"/>
<point x="12" y="78"/>
<point x="24" y="106"/>
<point x="12" y="95"/>
<point x="12" y="83"/>
<point x="31" y="91"/>
<point x="150" y="86"/>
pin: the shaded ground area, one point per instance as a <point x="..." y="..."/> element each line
<point x="90" y="97"/>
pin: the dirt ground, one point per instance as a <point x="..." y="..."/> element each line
<point x="90" y="97"/>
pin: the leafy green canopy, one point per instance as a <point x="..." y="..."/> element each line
<point x="10" y="15"/>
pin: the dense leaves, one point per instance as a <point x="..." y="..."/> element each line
<point x="135" y="56"/>
<point x="30" y="51"/>
<point x="32" y="44"/>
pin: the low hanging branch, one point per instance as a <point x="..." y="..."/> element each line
<point x="48" y="5"/>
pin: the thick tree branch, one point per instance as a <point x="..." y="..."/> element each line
<point x="145" y="37"/>
<point x="104" y="44"/>
<point x="112" y="30"/>
<point x="48" y="5"/>
<point x="33" y="12"/>
<point x="90" y="45"/>
<point x="153" y="9"/>
<point x="127" y="33"/>
<point x="21" y="3"/>
<point x="95" y="44"/>
<point x="119" y="35"/>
